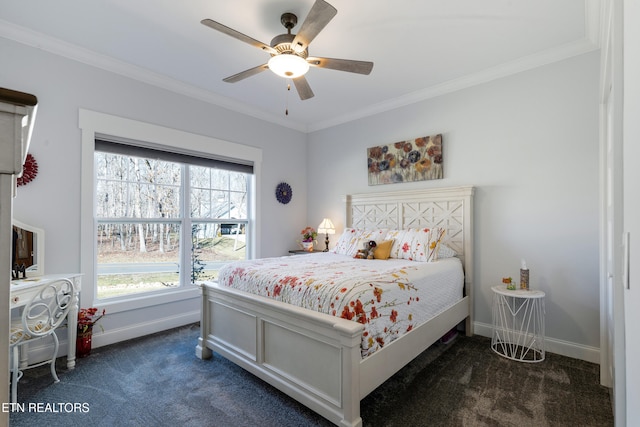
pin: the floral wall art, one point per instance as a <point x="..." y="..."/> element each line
<point x="405" y="161"/>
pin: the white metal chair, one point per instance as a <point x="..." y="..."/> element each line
<point x="41" y="316"/>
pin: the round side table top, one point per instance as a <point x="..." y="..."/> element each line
<point x="518" y="293"/>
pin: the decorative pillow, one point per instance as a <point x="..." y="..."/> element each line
<point x="445" y="251"/>
<point x="407" y="248"/>
<point x="416" y="244"/>
<point x="411" y="244"/>
<point x="378" y="234"/>
<point x="433" y="244"/>
<point x="419" y="244"/>
<point x="352" y="238"/>
<point x="348" y="242"/>
<point x="383" y="250"/>
<point x="398" y="237"/>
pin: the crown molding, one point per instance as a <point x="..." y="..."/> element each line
<point x="522" y="64"/>
<point x="37" y="40"/>
<point x="592" y="36"/>
<point x="85" y="56"/>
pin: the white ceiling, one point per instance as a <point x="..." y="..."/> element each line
<point x="421" y="48"/>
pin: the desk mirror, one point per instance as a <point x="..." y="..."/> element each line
<point x="27" y="252"/>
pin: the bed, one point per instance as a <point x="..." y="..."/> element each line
<point x="318" y="358"/>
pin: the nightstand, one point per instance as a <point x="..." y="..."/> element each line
<point x="303" y="252"/>
<point x="518" y="324"/>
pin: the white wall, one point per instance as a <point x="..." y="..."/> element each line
<point x="529" y="143"/>
<point x="52" y="200"/>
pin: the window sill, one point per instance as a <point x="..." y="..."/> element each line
<point x="148" y="299"/>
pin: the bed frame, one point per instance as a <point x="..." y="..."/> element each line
<point x="314" y="357"/>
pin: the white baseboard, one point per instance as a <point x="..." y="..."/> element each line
<point x="145" y="328"/>
<point x="552" y="345"/>
<point x="42" y="350"/>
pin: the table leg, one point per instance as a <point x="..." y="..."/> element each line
<point x="72" y="330"/>
<point x="24" y="356"/>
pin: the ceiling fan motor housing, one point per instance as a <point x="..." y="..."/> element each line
<point x="282" y="44"/>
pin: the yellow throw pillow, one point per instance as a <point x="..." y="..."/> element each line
<point x="383" y="250"/>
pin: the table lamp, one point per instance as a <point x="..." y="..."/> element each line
<point x="326" y="227"/>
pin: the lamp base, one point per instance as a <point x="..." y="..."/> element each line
<point x="326" y="243"/>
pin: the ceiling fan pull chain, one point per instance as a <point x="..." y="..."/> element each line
<point x="286" y="111"/>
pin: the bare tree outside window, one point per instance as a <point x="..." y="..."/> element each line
<point x="143" y="233"/>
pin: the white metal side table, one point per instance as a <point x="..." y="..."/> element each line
<point x="518" y="324"/>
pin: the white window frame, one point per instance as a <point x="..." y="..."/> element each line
<point x="94" y="124"/>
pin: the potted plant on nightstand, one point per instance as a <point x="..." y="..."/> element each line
<point x="87" y="318"/>
<point x="309" y="235"/>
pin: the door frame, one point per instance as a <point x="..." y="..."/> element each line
<point x="612" y="326"/>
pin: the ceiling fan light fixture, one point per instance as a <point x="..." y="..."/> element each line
<point x="288" y="65"/>
<point x="290" y="52"/>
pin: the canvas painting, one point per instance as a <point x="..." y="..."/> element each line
<point x="405" y="161"/>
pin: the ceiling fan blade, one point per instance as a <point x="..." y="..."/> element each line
<point x="319" y="16"/>
<point x="303" y="88"/>
<point x="360" y="67"/>
<point x="238" y="35"/>
<point x="246" y="73"/>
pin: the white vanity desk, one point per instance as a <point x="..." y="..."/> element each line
<point x="22" y="290"/>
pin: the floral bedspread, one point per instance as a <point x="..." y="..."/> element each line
<point x="389" y="297"/>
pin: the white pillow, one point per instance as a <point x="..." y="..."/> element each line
<point x="445" y="251"/>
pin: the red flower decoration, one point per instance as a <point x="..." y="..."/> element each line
<point x="87" y="317"/>
<point x="29" y="170"/>
<point x="346" y="313"/>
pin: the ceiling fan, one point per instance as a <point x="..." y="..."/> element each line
<point x="289" y="52"/>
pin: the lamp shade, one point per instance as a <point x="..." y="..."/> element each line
<point x="326" y="227"/>
<point x="288" y="65"/>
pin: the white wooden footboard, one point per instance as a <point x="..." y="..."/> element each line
<point x="312" y="357"/>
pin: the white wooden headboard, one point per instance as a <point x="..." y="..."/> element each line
<point x="449" y="208"/>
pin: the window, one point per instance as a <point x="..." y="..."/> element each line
<point x="165" y="220"/>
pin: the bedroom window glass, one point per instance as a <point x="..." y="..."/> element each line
<point x="219" y="219"/>
<point x="165" y="220"/>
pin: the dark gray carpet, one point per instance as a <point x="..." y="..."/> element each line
<point x="158" y="381"/>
